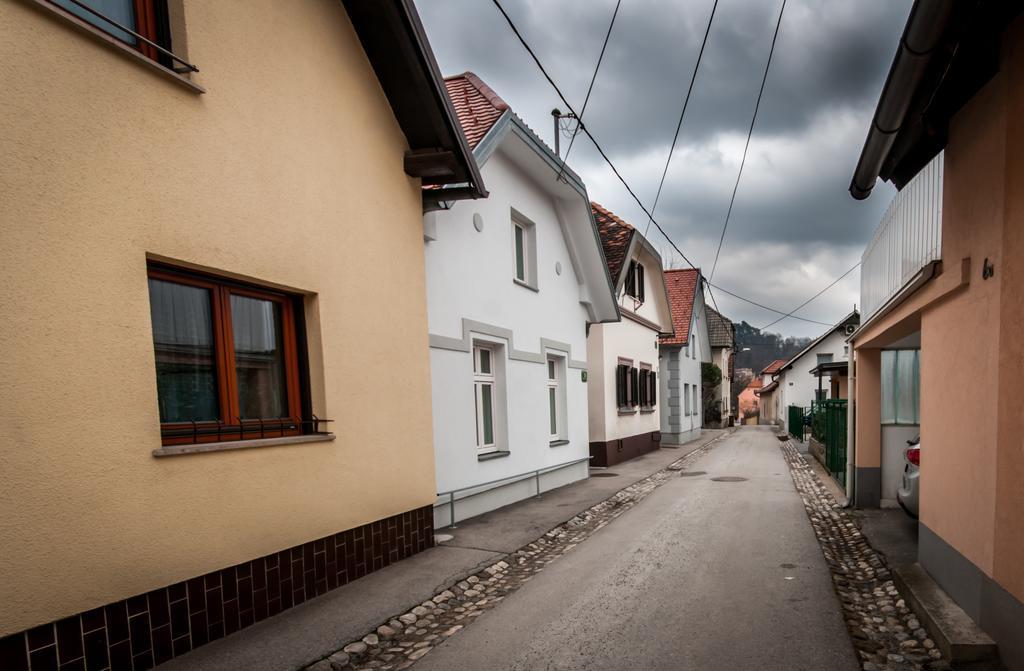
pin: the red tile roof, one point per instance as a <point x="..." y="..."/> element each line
<point x="476" y="104"/>
<point x="616" y="235"/>
<point x="773" y="367"/>
<point x="755" y="383"/>
<point x="682" y="285"/>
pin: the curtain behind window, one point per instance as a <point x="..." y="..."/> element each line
<point x="901" y="386"/>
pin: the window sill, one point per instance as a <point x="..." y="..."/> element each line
<point x="516" y="280"/>
<point x="558" y="443"/>
<point x="487" y="456"/>
<point x="68" y="18"/>
<point x="200" y="448"/>
<point x="646" y="411"/>
<point x="627" y="411"/>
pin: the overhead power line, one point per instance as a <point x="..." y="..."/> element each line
<point x="769" y="309"/>
<point x="834" y="282"/>
<point x="750" y="132"/>
<point x="682" y="113"/>
<point x="618" y="175"/>
<point x="593" y="78"/>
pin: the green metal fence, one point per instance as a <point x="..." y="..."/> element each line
<point x="828" y="426"/>
<point x="796" y="422"/>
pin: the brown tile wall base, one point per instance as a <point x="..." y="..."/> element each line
<point x="147" y="629"/>
<point x="611" y="452"/>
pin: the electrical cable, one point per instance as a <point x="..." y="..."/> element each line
<point x="682" y="113"/>
<point x="750" y="132"/>
<point x="586" y="99"/>
<point x="629" y="189"/>
<point x="834" y="282"/>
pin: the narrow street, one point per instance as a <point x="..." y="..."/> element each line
<point x="701" y="574"/>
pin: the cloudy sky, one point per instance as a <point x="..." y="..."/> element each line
<point x="794" y="227"/>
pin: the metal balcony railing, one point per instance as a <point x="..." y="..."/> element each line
<point x="449" y="498"/>
<point x="183" y="68"/>
<point x="908" y="238"/>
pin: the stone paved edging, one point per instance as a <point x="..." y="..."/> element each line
<point x="885" y="632"/>
<point x="398" y="643"/>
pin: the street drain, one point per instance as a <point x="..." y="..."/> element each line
<point x="604" y="474"/>
<point x="690" y="474"/>
<point x="729" y="478"/>
<point x="782" y="437"/>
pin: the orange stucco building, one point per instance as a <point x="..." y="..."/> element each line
<point x="959" y="120"/>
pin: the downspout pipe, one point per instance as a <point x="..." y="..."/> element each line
<point x="921" y="37"/>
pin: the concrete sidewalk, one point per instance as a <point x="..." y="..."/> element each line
<point x="302" y="635"/>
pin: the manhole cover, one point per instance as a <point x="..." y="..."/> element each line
<point x="729" y="478"/>
<point x="690" y="474"/>
<point x="604" y="474"/>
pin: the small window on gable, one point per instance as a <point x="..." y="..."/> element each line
<point x="524" y="252"/>
<point x="634" y="284"/>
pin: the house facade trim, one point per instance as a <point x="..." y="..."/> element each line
<point x="470" y="326"/>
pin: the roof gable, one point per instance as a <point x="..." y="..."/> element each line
<point x="397" y="48"/>
<point x="682" y="287"/>
<point x="616" y="235"/>
<point x="852" y="318"/>
<point x="489" y="124"/>
<point x="720" y="329"/>
<point x="477" y="106"/>
<point x="774" y="367"/>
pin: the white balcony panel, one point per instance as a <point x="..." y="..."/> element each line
<point x="908" y="238"/>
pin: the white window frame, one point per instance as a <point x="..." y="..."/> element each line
<point x="529" y="251"/>
<point x="555" y="374"/>
<point x="483" y="379"/>
<point x="686" y="399"/>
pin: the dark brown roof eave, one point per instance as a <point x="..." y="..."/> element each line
<point x="396" y="45"/>
<point x="948" y="51"/>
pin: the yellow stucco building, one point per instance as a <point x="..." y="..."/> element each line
<point x="203" y="257"/>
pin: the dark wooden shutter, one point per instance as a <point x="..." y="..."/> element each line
<point x="634" y="386"/>
<point x="654" y="388"/>
<point x="640" y="282"/>
<point x="643" y="386"/>
<point x="620" y="385"/>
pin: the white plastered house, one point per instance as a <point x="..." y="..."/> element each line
<point x="512" y="283"/>
<point x="625" y="407"/>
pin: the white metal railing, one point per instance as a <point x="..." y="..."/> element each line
<point x="908" y="238"/>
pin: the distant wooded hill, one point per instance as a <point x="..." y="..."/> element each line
<point x="763" y="347"/>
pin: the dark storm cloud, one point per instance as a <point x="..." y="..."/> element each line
<point x="792" y="207"/>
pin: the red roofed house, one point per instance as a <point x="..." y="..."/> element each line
<point x="769" y="399"/>
<point x="747" y="400"/>
<point x="625" y="417"/>
<point x="513" y="282"/>
<point x="681" y="355"/>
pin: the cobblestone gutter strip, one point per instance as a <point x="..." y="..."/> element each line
<point x="398" y="643"/>
<point x="885" y="632"/>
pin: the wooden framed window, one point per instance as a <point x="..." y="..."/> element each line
<point x="648" y="386"/>
<point x="227" y="364"/>
<point x="627" y="385"/>
<point x="635" y="281"/>
<point x="146" y="17"/>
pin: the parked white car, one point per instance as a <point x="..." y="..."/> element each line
<point x="909" y="491"/>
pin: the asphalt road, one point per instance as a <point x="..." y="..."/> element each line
<point x="699" y="575"/>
